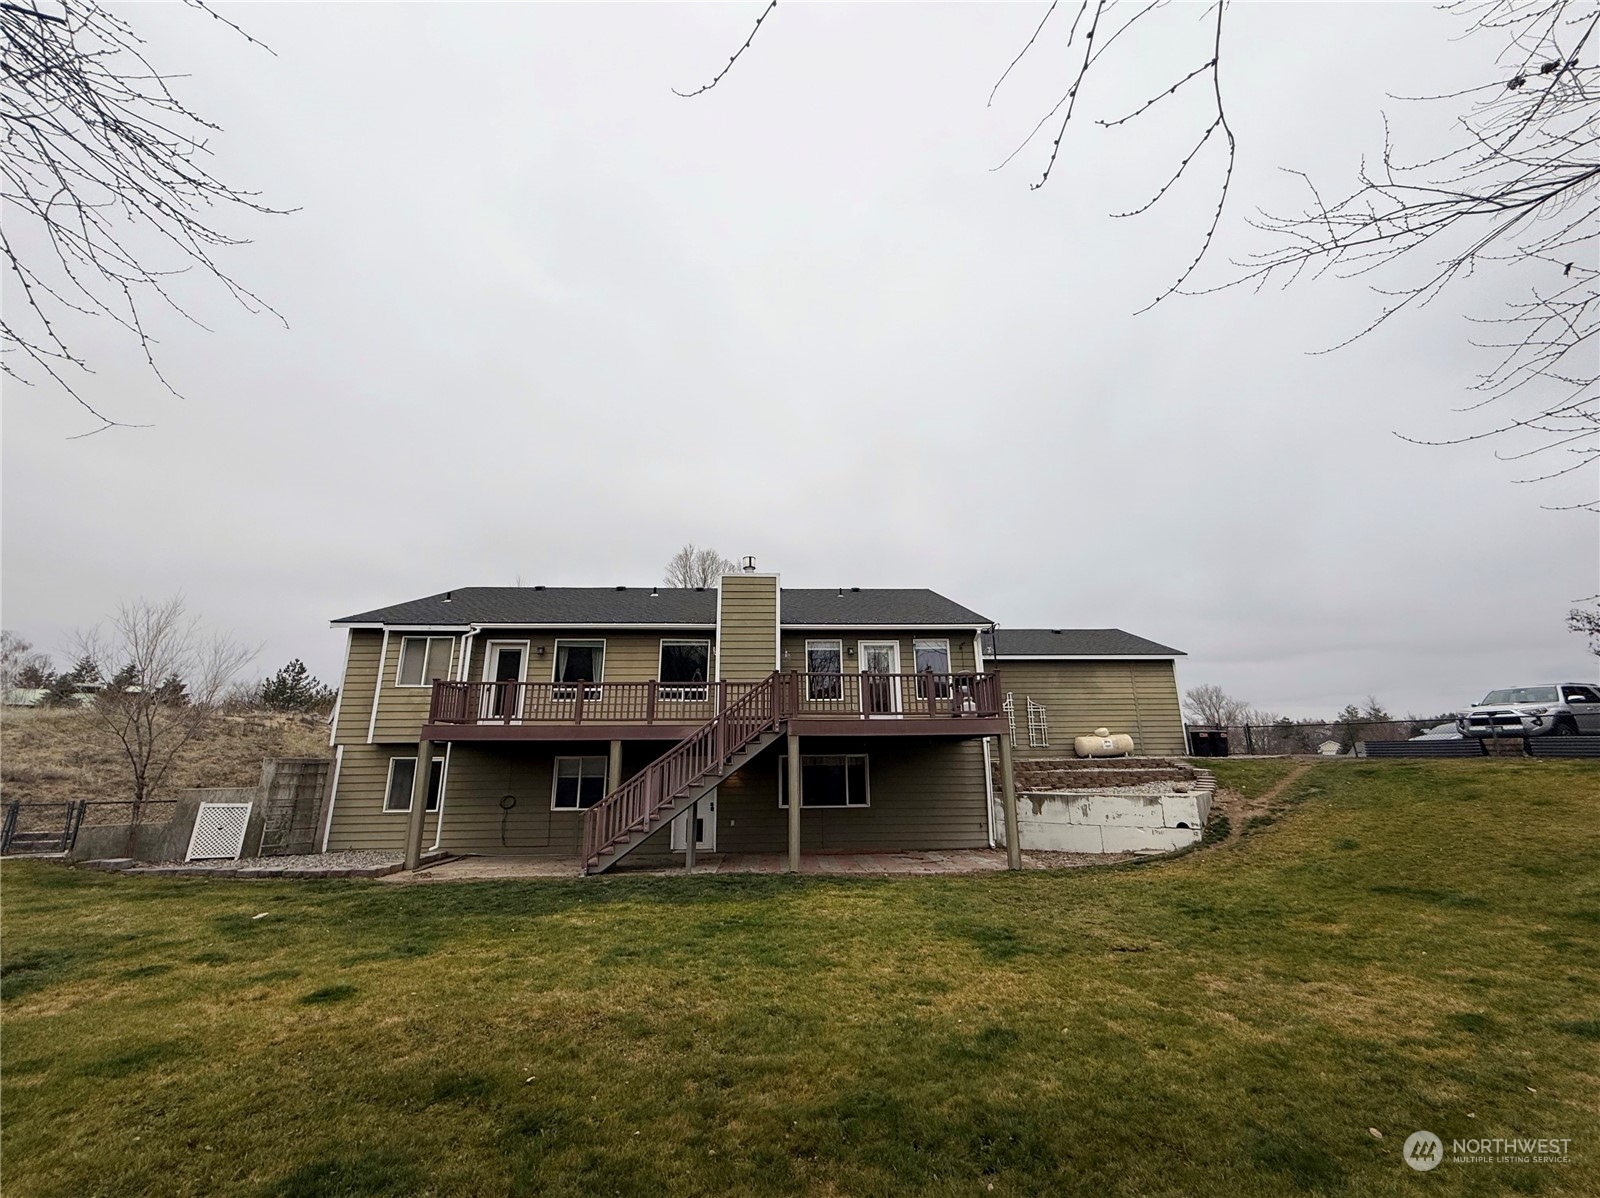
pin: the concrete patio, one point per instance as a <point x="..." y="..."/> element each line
<point x="958" y="861"/>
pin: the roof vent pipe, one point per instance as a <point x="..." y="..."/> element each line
<point x="447" y="595"/>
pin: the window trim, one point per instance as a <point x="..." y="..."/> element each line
<point x="555" y="778"/>
<point x="822" y="643"/>
<point x="783" y="781"/>
<point x="681" y="691"/>
<point x="400" y="658"/>
<point x="388" y="787"/>
<point x="555" y="656"/>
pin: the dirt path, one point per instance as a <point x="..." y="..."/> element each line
<point x="1240" y="810"/>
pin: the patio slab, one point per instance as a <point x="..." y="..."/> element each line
<point x="953" y="862"/>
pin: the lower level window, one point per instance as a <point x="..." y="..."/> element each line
<point x="827" y="781"/>
<point x="403" y="778"/>
<point x="580" y="783"/>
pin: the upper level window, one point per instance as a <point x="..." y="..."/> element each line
<point x="824" y="667"/>
<point x="685" y="661"/>
<point x="932" y="657"/>
<point x="580" y="661"/>
<point x="423" y="659"/>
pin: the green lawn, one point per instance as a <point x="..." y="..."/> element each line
<point x="1411" y="946"/>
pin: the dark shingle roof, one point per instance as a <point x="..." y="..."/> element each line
<point x="1072" y="642"/>
<point x="637" y="605"/>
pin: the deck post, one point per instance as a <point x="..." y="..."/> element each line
<point x="1008" y="801"/>
<point x="688" y="837"/>
<point x="795" y="799"/>
<point x="614" y="767"/>
<point x="419" y="804"/>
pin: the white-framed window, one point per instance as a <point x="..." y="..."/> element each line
<point x="1038" y="726"/>
<point x="824" y="669"/>
<point x="423" y="659"/>
<point x="932" y="656"/>
<point x="402" y="779"/>
<point x="684" y="662"/>
<point x="1010" y="708"/>
<point x="580" y="783"/>
<point x="827" y="781"/>
<point x="579" y="661"/>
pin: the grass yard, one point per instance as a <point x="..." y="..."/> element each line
<point x="1405" y="946"/>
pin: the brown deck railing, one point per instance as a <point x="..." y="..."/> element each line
<point x="826" y="696"/>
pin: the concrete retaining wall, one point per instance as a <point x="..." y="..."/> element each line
<point x="1153" y="817"/>
<point x="292" y="791"/>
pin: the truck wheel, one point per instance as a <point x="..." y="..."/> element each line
<point x="1566" y="727"/>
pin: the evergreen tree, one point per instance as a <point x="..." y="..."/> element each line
<point x="295" y="688"/>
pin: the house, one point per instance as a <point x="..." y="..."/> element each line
<point x="600" y="723"/>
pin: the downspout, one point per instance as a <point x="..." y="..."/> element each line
<point x="988" y="767"/>
<point x="444" y="777"/>
<point x="333" y="795"/>
<point x="444" y="786"/>
<point x="377" y="687"/>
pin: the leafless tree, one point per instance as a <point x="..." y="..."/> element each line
<point x="1516" y="193"/>
<point x="1585" y="621"/>
<point x="692" y="567"/>
<point x="168" y="677"/>
<point x="1212" y="707"/>
<point x="103" y="165"/>
<point x="21" y="665"/>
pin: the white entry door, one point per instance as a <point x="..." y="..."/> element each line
<point x="705" y="824"/>
<point x="503" y="661"/>
<point x="880" y="678"/>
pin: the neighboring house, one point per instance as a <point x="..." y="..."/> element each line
<point x="1330" y="748"/>
<point x="1066" y="682"/>
<point x="594" y="723"/>
<point x="24" y="696"/>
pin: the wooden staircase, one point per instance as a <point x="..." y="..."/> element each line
<point x="686" y="773"/>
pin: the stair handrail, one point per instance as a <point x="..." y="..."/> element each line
<point x="633" y="806"/>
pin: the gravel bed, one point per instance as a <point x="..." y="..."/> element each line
<point x="355" y="862"/>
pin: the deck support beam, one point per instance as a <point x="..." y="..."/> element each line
<point x="419" y="804"/>
<point x="795" y="799"/>
<point x="1008" y="802"/>
<point x="614" y="767"/>
<point x="689" y="836"/>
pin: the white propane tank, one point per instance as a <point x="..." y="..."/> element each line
<point x="1103" y="744"/>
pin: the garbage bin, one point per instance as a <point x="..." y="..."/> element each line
<point x="1208" y="742"/>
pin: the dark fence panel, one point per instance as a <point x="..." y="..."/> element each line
<point x="1564" y="746"/>
<point x="1472" y="747"/>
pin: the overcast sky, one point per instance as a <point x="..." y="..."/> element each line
<point x="547" y="321"/>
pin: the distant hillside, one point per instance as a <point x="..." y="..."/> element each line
<point x="53" y="755"/>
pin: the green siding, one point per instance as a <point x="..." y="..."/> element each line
<point x="748" y="619"/>
<point x="1136" y="697"/>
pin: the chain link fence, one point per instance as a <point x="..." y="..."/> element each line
<point x="1327" y="738"/>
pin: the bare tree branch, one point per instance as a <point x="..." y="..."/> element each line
<point x="717" y="78"/>
<point x="103" y="164"/>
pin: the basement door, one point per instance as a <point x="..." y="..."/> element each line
<point x="705" y="827"/>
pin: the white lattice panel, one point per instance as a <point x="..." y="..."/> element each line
<point x="218" y="831"/>
<point x="1010" y="709"/>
